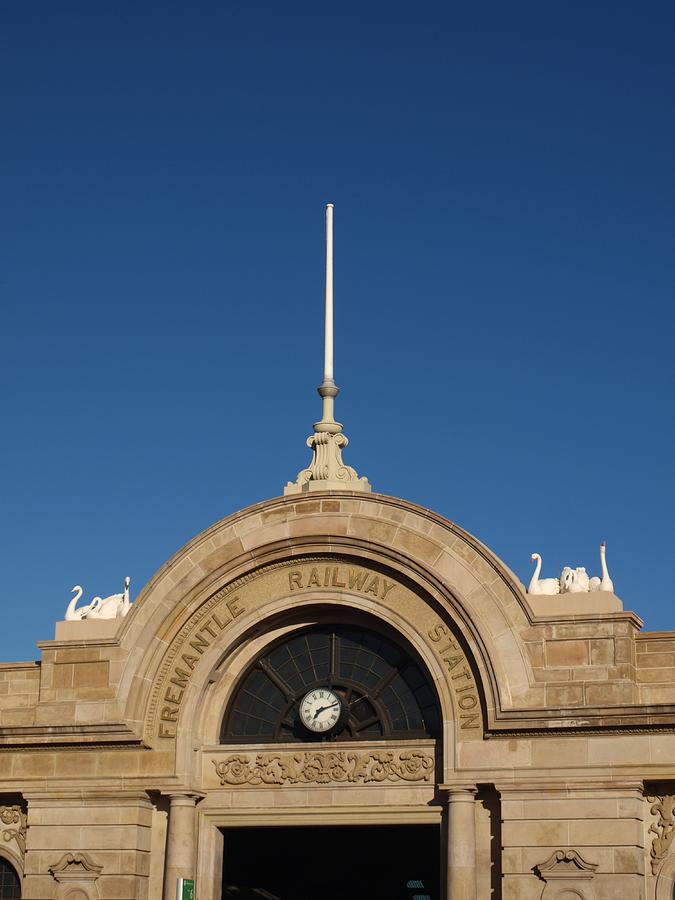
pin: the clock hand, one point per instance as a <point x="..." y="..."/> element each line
<point x="324" y="708"/>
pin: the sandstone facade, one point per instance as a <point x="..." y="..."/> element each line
<point x="553" y="774"/>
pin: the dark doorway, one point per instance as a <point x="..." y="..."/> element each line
<point x="389" y="862"/>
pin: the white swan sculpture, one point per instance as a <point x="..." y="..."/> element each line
<point x="576" y="581"/>
<point x="543" y="585"/>
<point x="605" y="583"/>
<point x="112" y="607"/>
<point x="73" y="614"/>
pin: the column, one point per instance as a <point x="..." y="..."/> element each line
<point x="460" y="830"/>
<point x="181" y="842"/>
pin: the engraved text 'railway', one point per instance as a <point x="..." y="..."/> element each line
<point x="331" y="577"/>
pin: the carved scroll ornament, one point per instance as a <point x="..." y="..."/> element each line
<point x="663" y="830"/>
<point x="567" y="874"/>
<point x="564" y="864"/>
<point x="14" y="815"/>
<point x="316" y="767"/>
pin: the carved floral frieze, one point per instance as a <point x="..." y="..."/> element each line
<point x="663" y="829"/>
<point x="15" y="817"/>
<point x="325" y="767"/>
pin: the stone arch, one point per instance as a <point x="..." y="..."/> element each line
<point x="200" y="699"/>
<point x="460" y="578"/>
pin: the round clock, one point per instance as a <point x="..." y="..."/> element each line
<point x="320" y="709"/>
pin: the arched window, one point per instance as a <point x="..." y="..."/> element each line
<point x="375" y="684"/>
<point x="10" y="885"/>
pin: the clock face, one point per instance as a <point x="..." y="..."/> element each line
<point x="320" y="709"/>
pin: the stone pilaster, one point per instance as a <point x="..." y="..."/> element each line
<point x="181" y="841"/>
<point x="93" y="844"/>
<point x="460" y="834"/>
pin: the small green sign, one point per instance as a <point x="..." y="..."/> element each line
<point x="185" y="889"/>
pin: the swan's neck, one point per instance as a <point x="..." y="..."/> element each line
<point x="77" y="593"/>
<point x="603" y="562"/>
<point x="537" y="568"/>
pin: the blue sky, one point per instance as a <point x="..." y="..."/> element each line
<point x="504" y="195"/>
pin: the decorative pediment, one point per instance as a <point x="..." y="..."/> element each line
<point x="564" y="864"/>
<point x="75" y="867"/>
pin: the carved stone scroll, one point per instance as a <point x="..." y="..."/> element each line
<point x="325" y="767"/>
<point x="663" y="829"/>
<point x="76" y="875"/>
<point x="566" y="873"/>
<point x="14" y="816"/>
<point x="75" y="867"/>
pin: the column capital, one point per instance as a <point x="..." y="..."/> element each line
<point x="184" y="798"/>
<point x="458" y="793"/>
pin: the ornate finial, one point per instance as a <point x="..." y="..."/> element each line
<point x="327" y="472"/>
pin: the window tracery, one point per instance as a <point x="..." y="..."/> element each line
<point x="383" y="690"/>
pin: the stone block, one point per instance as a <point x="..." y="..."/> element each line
<point x="567" y="653"/>
<point x="549" y="675"/>
<point x="33" y="764"/>
<point x="90" y="674"/>
<point x="649" y="693"/>
<point x="662" y="748"/>
<point x="498" y="754"/>
<point x="564" y="695"/>
<point x="590" y="673"/>
<point x="77" y="655"/>
<point x="611" y="693"/>
<point x="602" y="651"/>
<point x="655" y="660"/>
<point x="62" y="675"/>
<point x="121" y="887"/>
<point x="536" y="653"/>
<point x="647" y="644"/>
<point x="536" y="833"/>
<point x="460" y="579"/>
<point x="14" y="717"/>
<point x="655" y="676"/>
<point x="623" y="650"/>
<point x="464" y="551"/>
<point x="73" y="764"/>
<point x="375" y="530"/>
<point x="521" y="887"/>
<point x="571" y="751"/>
<point x="86" y="630"/>
<point x="618" y="749"/>
<point x="618" y="887"/>
<point x="607" y="832"/>
<point x="420" y="548"/>
<point x="629" y="860"/>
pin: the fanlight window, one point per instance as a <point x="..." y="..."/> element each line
<point x="10" y="886"/>
<point x="384" y="692"/>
